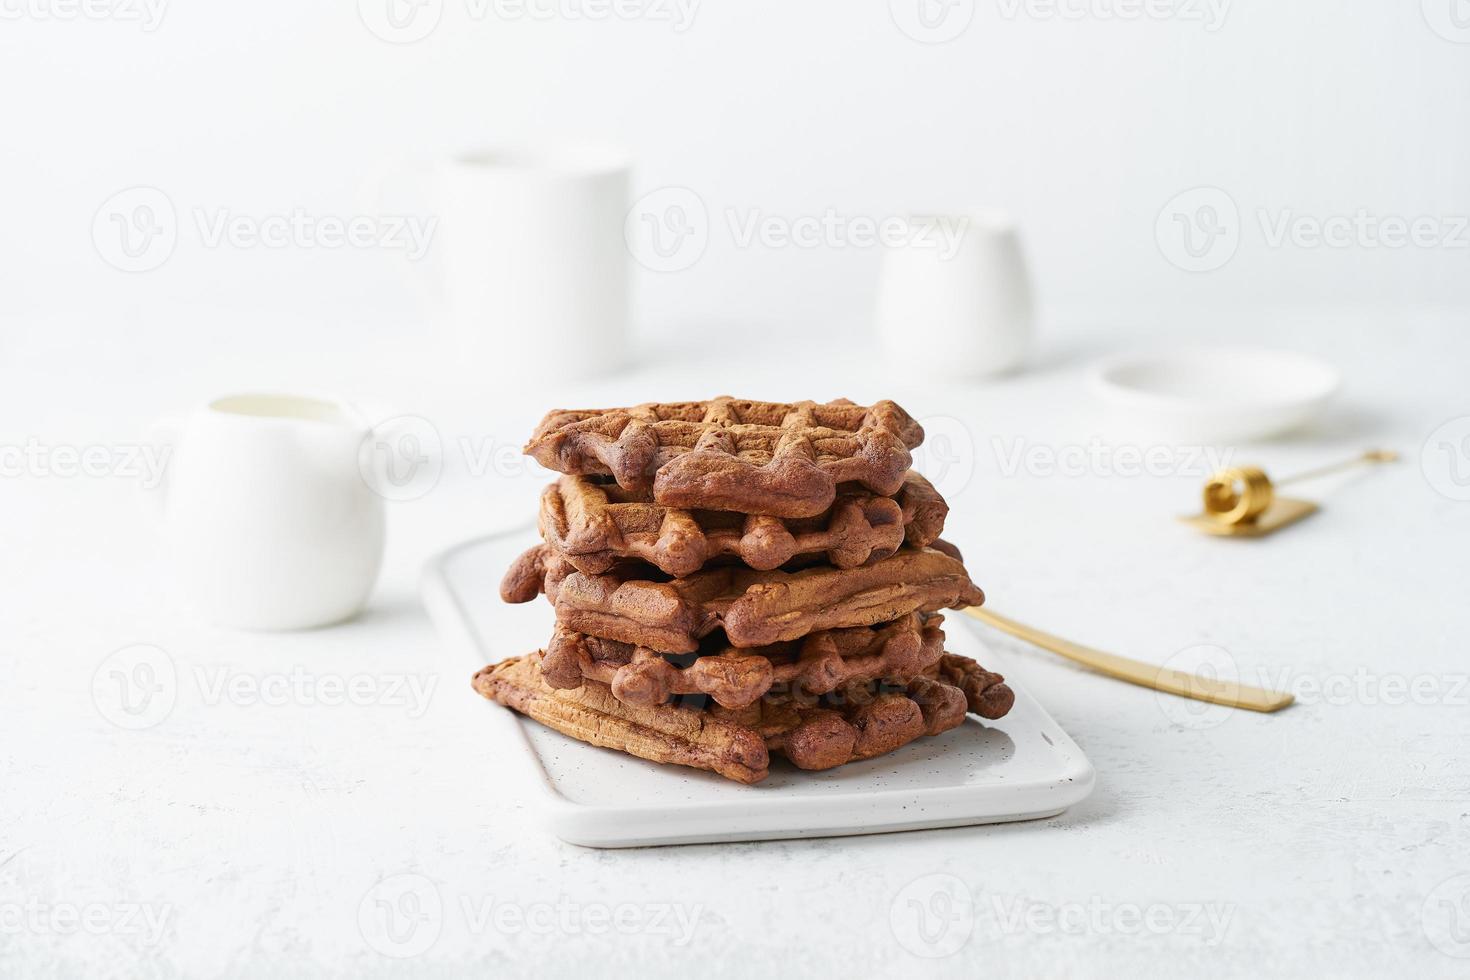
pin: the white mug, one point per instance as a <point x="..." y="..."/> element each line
<point x="272" y="523"/>
<point x="535" y="264"/>
<point x="957" y="285"/>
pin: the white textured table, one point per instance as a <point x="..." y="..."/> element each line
<point x="322" y="803"/>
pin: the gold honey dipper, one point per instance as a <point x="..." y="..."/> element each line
<point x="1241" y="501"/>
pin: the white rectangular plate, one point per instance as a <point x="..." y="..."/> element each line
<point x="1018" y="768"/>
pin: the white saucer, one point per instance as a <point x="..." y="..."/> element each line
<point x="1213" y="395"/>
<point x="1018" y="768"/>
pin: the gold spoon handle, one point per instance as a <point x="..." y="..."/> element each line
<point x="1178" y="682"/>
<point x="1371" y="456"/>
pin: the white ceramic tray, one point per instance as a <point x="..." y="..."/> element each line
<point x="1018" y="768"/>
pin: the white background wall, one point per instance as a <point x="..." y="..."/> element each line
<point x="1082" y="125"/>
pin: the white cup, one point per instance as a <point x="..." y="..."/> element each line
<point x="957" y="286"/>
<point x="536" y="268"/>
<point x="272" y="523"/>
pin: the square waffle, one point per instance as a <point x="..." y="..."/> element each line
<point x="754" y="607"/>
<point x="593" y="523"/>
<point x="776" y="458"/>
<point x="819" y="663"/>
<point x="858" y="722"/>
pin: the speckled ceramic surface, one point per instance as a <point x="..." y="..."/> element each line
<point x="1020" y="767"/>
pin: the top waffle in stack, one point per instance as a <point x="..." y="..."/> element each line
<point x="774" y="458"/>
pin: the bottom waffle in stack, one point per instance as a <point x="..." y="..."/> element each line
<point x="857" y="720"/>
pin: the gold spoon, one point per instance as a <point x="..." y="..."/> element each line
<point x="1212" y="690"/>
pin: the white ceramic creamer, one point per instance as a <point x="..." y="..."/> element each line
<point x="272" y="523"/>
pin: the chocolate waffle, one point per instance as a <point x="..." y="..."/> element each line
<point x="593" y="524"/>
<point x="866" y="721"/>
<point x="819" y="663"/>
<point x="775" y="458"/>
<point x="755" y="608"/>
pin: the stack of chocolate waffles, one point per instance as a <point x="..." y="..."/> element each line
<point x="734" y="579"/>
